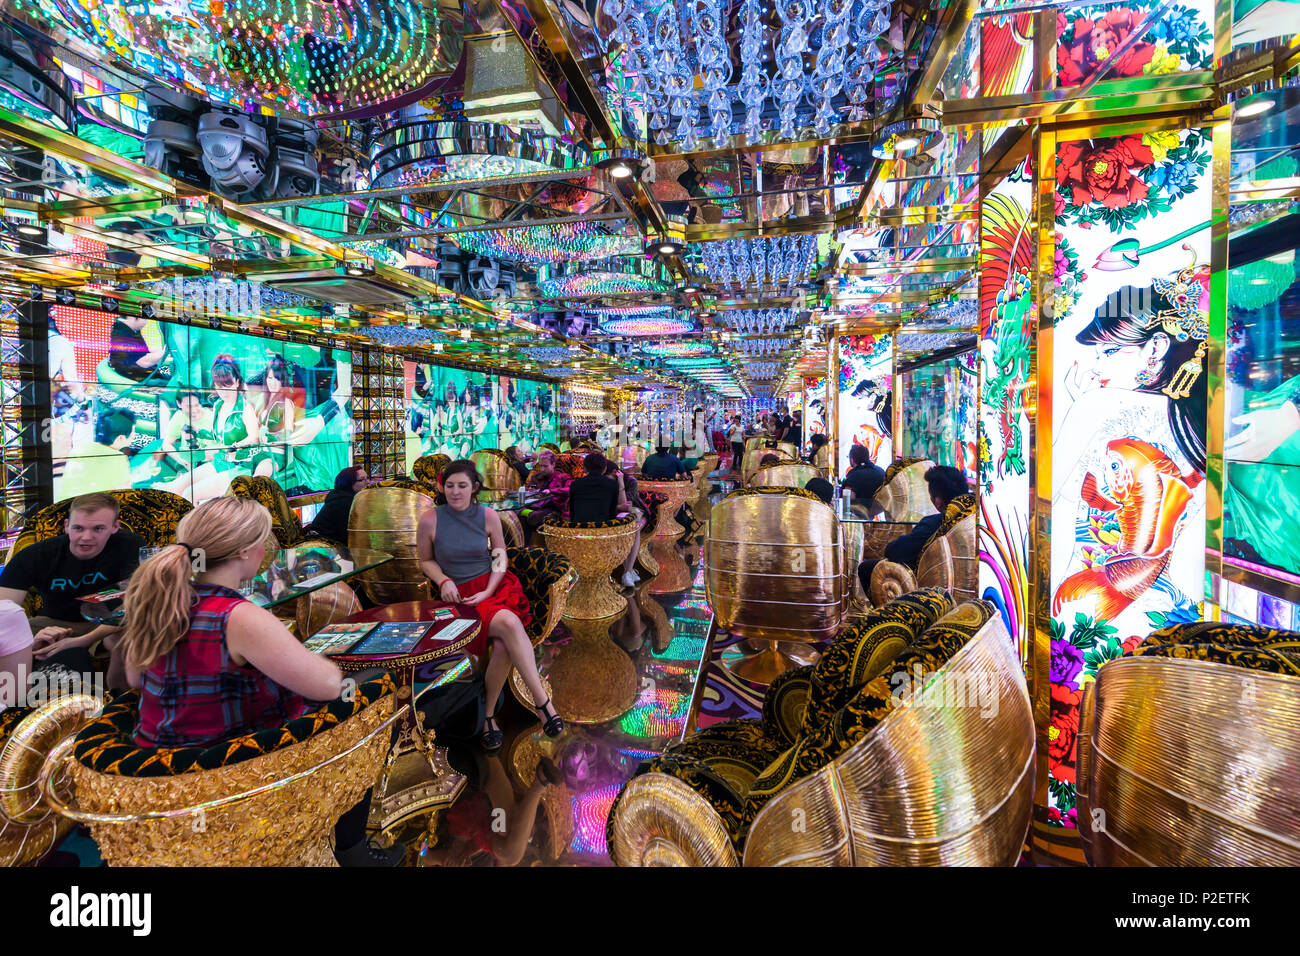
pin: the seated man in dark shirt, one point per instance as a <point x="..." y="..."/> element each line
<point x="864" y="476"/>
<point x="92" y="555"/>
<point x="129" y="355"/>
<point x="662" y="466"/>
<point x="599" y="496"/>
<point x="945" y="483"/>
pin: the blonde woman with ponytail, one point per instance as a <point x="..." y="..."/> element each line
<point x="212" y="665"/>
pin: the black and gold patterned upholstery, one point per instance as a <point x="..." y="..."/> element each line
<point x="616" y="522"/>
<point x="267" y="492"/>
<point x="963" y="506"/>
<point x="650" y="501"/>
<point x="149" y="513"/>
<point x="814" y="713"/>
<point x="547" y="578"/>
<point x="571" y="464"/>
<point x="897" y="465"/>
<point x="106" y="744"/>
<point x="427" y="469"/>
<point x="772" y="490"/>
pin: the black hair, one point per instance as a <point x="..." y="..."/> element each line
<point x="595" y="463"/>
<point x="859" y="455"/>
<point x="463" y="466"/>
<point x="346" y="478"/>
<point x="229" y="368"/>
<point x="821" y="488"/>
<point x="1128" y="318"/>
<point x="113" y="424"/>
<point x="946" y="482"/>
<point x="818" y="440"/>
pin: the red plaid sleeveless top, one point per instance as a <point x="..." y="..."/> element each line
<point x="195" y="695"/>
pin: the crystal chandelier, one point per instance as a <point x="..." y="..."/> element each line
<point x="681" y="63"/>
<point x="759" y="320"/>
<point x="762" y="346"/>
<point x="762" y="370"/>
<point x="768" y="261"/>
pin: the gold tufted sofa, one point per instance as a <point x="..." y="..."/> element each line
<point x="151" y="514"/>
<point x="1188" y="753"/>
<point x="895" y="775"/>
<point x="269" y="798"/>
<point x="948" y="560"/>
<point x="767" y="552"/>
<point x="267" y="492"/>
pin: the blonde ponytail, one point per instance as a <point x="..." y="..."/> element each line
<point x="160" y="596"/>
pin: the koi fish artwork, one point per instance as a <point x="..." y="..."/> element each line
<point x="1148" y="497"/>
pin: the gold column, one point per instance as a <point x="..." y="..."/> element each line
<point x="833" y="402"/>
<point x="1216" y="368"/>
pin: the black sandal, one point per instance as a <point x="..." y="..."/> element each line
<point x="492" y="738"/>
<point x="552" y="726"/>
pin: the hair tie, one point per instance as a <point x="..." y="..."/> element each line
<point x="190" y="552"/>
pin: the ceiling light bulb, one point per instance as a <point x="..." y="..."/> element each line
<point x="620" y="170"/>
<point x="27" y="229"/>
<point x="1255" y="109"/>
<point x="906" y="143"/>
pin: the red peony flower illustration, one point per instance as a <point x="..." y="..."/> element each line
<point x="1094" y="41"/>
<point x="1063" y="728"/>
<point x="1104" y="170"/>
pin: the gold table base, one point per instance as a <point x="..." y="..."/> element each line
<point x="761" y="662"/>
<point x="416" y="778"/>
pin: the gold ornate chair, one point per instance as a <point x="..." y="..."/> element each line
<point x="948" y="560"/>
<point x="29" y="828"/>
<point x="547" y="578"/>
<point x="427" y="469"/>
<point x="269" y="798"/>
<point x="904" y="494"/>
<point x="595" y="548"/>
<point x="1188" y="751"/>
<point x="774" y="571"/>
<point x="267" y="492"/>
<point x="677" y="494"/>
<point x="323" y="607"/>
<point x="930" y="762"/>
<point x="151" y="514"/>
<point x="792" y="474"/>
<point x="500" y="480"/>
<point x="384" y="518"/>
<point x="512" y="529"/>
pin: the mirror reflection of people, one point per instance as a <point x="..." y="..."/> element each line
<point x="93" y="554"/>
<point x="461" y="548"/>
<point x="945" y="483"/>
<point x="212" y="665"/>
<point x="864" y="476"/>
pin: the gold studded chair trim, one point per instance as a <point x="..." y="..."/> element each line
<point x="1193" y="763"/>
<point x="930" y="785"/>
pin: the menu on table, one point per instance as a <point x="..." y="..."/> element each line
<point x="394" y="637"/>
<point x="337" y="638"/>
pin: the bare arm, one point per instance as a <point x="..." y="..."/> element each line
<point x="424" y="535"/>
<point x="256" y="637"/>
<point x="19" y="664"/>
<point x="497" y="539"/>
<point x="13" y="594"/>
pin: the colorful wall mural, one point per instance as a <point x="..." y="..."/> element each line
<point x="1131" y="308"/>
<point x="866" y="397"/>
<point x="1007" y="320"/>
<point x="939" y="415"/>
<point x="814" y="406"/>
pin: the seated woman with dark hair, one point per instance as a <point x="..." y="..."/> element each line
<point x="212" y="665"/>
<point x="600" y="497"/>
<point x="462" y="551"/>
<point x="516" y="459"/>
<point x="771" y="458"/>
<point x="331" y="521"/>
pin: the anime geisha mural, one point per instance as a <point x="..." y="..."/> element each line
<point x="866" y="397"/>
<point x="1129" y="410"/>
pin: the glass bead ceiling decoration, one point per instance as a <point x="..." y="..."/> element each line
<point x="769" y="261"/>
<point x="665" y="324"/>
<point x="676" y="349"/>
<point x="544" y="245"/>
<point x="758" y="320"/>
<point x="324" y="57"/>
<point x="681" y="64"/>
<point x="626" y="276"/>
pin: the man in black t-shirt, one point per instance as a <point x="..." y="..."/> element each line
<point x="794" y="430"/>
<point x="92" y="555"/>
<point x="129" y="355"/>
<point x="864" y="476"/>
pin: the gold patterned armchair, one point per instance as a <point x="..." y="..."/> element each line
<point x="595" y="549"/>
<point x="948" y="560"/>
<point x="149" y="513"/>
<point x="267" y="492"/>
<point x="790" y="474"/>
<point x="269" y="798"/>
<point x="500" y="480"/>
<point x="930" y="762"/>
<point x="1188" y="753"/>
<point x="427" y="469"/>
<point x="774" y="569"/>
<point x="384" y="518"/>
<point x="29" y="827"/>
<point x="904" y="495"/>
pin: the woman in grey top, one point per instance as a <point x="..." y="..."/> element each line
<point x="462" y="551"/>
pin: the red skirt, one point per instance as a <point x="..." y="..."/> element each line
<point x="509" y="596"/>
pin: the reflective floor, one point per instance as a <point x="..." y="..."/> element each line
<point x="626" y="685"/>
